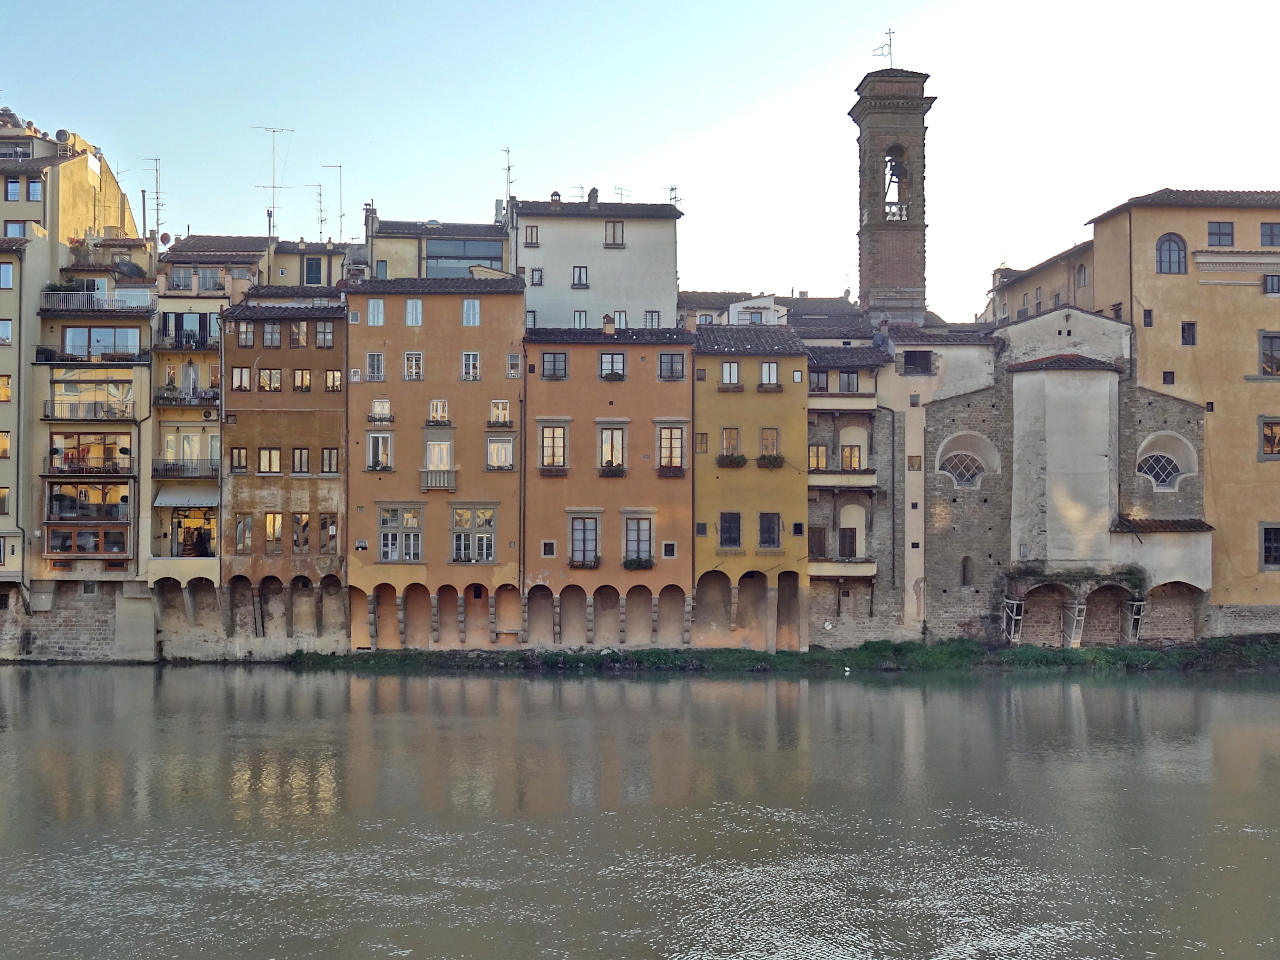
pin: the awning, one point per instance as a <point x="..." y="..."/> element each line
<point x="188" y="495"/>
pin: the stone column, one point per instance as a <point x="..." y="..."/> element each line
<point x="225" y="611"/>
<point x="555" y="619"/>
<point x="462" y="616"/>
<point x="622" y="617"/>
<point x="802" y="617"/>
<point x="287" y="596"/>
<point x="373" y="619"/>
<point x="653" y="620"/>
<point x="687" y="633"/>
<point x="493" y="619"/>
<point x="400" y="618"/>
<point x="733" y="606"/>
<point x="771" y="619"/>
<point x="189" y="602"/>
<point x="435" y="620"/>
<point x="591" y="619"/>
<point x="524" y="618"/>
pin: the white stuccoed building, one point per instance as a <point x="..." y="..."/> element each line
<point x="582" y="260"/>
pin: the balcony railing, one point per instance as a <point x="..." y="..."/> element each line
<point x="584" y="563"/>
<point x="68" y="465"/>
<point x="89" y="301"/>
<point x="201" y="398"/>
<point x="187" y="341"/>
<point x="895" y="211"/>
<point x="54" y="354"/>
<point x="382" y="418"/>
<point x="439" y="480"/>
<point x="88" y="410"/>
<point x="185" y="469"/>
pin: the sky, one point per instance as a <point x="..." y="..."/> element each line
<point x="1046" y="115"/>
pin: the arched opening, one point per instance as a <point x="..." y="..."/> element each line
<point x="303" y="599"/>
<point x="275" y="623"/>
<point x="334" y="619"/>
<point x="607" y="632"/>
<point x="966" y="571"/>
<point x="897" y="184"/>
<point x="639" y="616"/>
<point x="476" y="598"/>
<point x="171" y="608"/>
<point x="359" y="606"/>
<point x="541" y="616"/>
<point x="243" y="614"/>
<point x="508" y="615"/>
<point x="388" y="619"/>
<point x="447" y="614"/>
<point x="852" y="454"/>
<point x="1105" y="613"/>
<point x="1172" y="614"/>
<point x="1171" y="254"/>
<point x="1165" y="458"/>
<point x="573" y="615"/>
<point x="711" y="600"/>
<point x="1042" y="614"/>
<point x="671" y="616"/>
<point x="966" y="458"/>
<point x="1082" y="276"/>
<point x="204" y="604"/>
<point x="753" y="590"/>
<point x="851" y="535"/>
<point x="417" y="616"/>
<point x="789" y="627"/>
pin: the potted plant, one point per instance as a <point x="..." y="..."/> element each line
<point x="770" y="461"/>
<point x="611" y="469"/>
<point x="731" y="460"/>
<point x="638" y="563"/>
<point x="613" y="376"/>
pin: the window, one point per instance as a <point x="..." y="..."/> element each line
<point x="244" y="533"/>
<point x="239" y="459"/>
<point x="917" y="363"/>
<point x="302" y="533"/>
<point x="375" y="312"/>
<point x="471" y="313"/>
<point x="301" y="460"/>
<point x="770" y="531"/>
<point x="302" y="381"/>
<point x="1270" y="546"/>
<point x="11" y="188"/>
<point x="817" y="456"/>
<point x="965" y="469"/>
<point x="500" y="411"/>
<point x="297" y="333"/>
<point x="613" y="366"/>
<point x="268" y="459"/>
<point x="329" y="460"/>
<point x="729" y="441"/>
<point x="328" y="533"/>
<point x="700" y="443"/>
<point x="1222" y="233"/>
<point x="473" y="531"/>
<point x="620" y="319"/>
<point x="639" y="538"/>
<point x="324" y="334"/>
<point x="1148" y="318"/>
<point x="671" y="366"/>
<point x="313" y="272"/>
<point x="850" y="456"/>
<point x="1189" y="334"/>
<point x="1168" y="378"/>
<point x="271" y="334"/>
<point x="580" y="278"/>
<point x="535" y="277"/>
<point x="613" y="233"/>
<point x="671" y="447"/>
<point x="439" y="455"/>
<point x="438" y="411"/>
<point x="548" y="548"/>
<point x="1082" y="276"/>
<point x="612" y="443"/>
<point x="15" y="228"/>
<point x="380" y="269"/>
<point x="6" y="276"/>
<point x="470" y="365"/>
<point x="530" y="319"/>
<point x="584" y="544"/>
<point x="1163" y="470"/>
<point x="555" y="366"/>
<point x="399" y="534"/>
<point x="847" y="543"/>
<point x="244" y="333"/>
<point x="269" y="380"/>
<point x="553" y="447"/>
<point x="413" y="365"/>
<point x="6" y="333"/>
<point x="1171" y="254"/>
<point x="705" y="318"/>
<point x="1271" y="284"/>
<point x="579" y="319"/>
<point x="769" y="445"/>
<point x="273" y="533"/>
<point x="373" y="367"/>
<point x="848" y="381"/>
<point x="731" y="530"/>
<point x="6" y="440"/>
<point x="1271" y="234"/>
<point x="353" y="316"/>
<point x="769" y="373"/>
<point x="1269" y="354"/>
<point x="652" y="319"/>
<point x="817" y="381"/>
<point x="531" y="235"/>
<point x="379" y="451"/>
<point x="729" y="372"/>
<point x="333" y="381"/>
<point x="499" y="453"/>
<point x="4" y="500"/>
<point x="34" y="190"/>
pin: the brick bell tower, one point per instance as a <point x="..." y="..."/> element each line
<point x="890" y="117"/>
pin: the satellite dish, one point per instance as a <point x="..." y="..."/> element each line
<point x="164" y="238"/>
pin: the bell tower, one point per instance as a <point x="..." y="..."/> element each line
<point x="890" y="117"/>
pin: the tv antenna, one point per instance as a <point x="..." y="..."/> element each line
<point x="273" y="188"/>
<point x="156" y="195"/>
<point x="507" y="169"/>
<point x="581" y="188"/>
<point x="271" y="210"/>
<point x="885" y="49"/>
<point x="320" y="218"/>
<point x="672" y="197"/>
<point x="622" y="192"/>
<point x="341" y="214"/>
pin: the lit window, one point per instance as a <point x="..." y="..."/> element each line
<point x="268" y="459"/>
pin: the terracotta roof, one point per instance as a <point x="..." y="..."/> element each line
<point x="12" y="244"/>
<point x="1064" y="361"/>
<point x="1125" y="524"/>
<point x="211" y="256"/>
<point x="210" y="243"/>
<point x="708" y="300"/>
<point x="957" y="333"/>
<point x="819" y="307"/>
<point x="121" y="242"/>
<point x="848" y="357"/>
<point x="752" y="339"/>
<point x="317" y="247"/>
<point x="1062" y="307"/>
<point x="431" y="228"/>
<point x="254" y="311"/>
<point x="263" y="291"/>
<point x="591" y="335"/>
<point x="1168" y="197"/>
<point x="440" y="285"/>
<point x="896" y="73"/>
<point x="620" y="211"/>
<point x="854" y="327"/>
<point x="1068" y="254"/>
<point x="28" y="166"/>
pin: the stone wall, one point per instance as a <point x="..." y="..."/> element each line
<point x="79" y="626"/>
<point x="1142" y="413"/>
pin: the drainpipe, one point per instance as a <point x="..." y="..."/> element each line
<point x="24" y="589"/>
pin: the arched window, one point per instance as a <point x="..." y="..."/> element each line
<point x="1162" y="470"/>
<point x="1171" y="254"/>
<point x="964" y="467"/>
<point x="966" y="571"/>
<point x="1082" y="276"/>
<point x="966" y="458"/>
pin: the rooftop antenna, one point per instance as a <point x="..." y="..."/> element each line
<point x="622" y="192"/>
<point x="271" y="210"/>
<point x="885" y="49"/>
<point x="673" y="197"/>
<point x="320" y="218"/>
<point x="507" y="168"/>
<point x="273" y="188"/>
<point x="342" y="237"/>
<point x="581" y="188"/>
<point x="156" y="196"/>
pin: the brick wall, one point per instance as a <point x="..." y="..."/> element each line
<point x="1142" y="413"/>
<point x="79" y="627"/>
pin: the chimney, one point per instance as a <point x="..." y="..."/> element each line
<point x="609" y="329"/>
<point x="593" y="198"/>
<point x="555" y="199"/>
<point x="804" y="294"/>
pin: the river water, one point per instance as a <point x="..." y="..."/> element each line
<point x="257" y="813"/>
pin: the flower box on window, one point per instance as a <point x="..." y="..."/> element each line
<point x="770" y="461"/>
<point x="638" y="563"/>
<point x="553" y="471"/>
<point x="585" y="563"/>
<point x="731" y="460"/>
<point x="667" y="470"/>
<point x="613" y="470"/>
<point x="613" y="376"/>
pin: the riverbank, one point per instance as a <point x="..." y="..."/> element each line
<point x="1217" y="654"/>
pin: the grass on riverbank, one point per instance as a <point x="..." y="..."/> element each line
<point x="1222" y="653"/>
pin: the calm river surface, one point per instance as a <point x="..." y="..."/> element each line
<point x="252" y="812"/>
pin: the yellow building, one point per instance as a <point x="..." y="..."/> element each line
<point x="750" y="487"/>
<point x="402" y="249"/>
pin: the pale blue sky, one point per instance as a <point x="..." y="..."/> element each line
<point x="1045" y="116"/>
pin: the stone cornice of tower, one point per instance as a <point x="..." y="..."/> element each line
<point x="866" y="105"/>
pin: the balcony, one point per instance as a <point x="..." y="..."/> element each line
<point x="584" y="563"/>
<point x="87" y="538"/>
<point x="187" y="342"/>
<point x="89" y="410"/>
<point x="67" y="465"/>
<point x="895" y="212"/>
<point x="821" y="400"/>
<point x="846" y="567"/>
<point x="201" y="398"/>
<point x="55" y="354"/>
<point x="838" y="479"/>
<point x="438" y="480"/>
<point x="382" y="418"/>
<point x="185" y="469"/>
<point x="500" y="424"/>
<point x="89" y="301"/>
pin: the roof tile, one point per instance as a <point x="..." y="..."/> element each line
<point x="1064" y="361"/>
<point x="273" y="311"/>
<point x="751" y="339"/>
<point x="848" y="357"/>
<point x="593" y="335"/>
<point x="1124" y="524"/>
<point x="1168" y="197"/>
<point x="440" y="285"/>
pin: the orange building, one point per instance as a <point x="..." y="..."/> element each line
<point x="608" y="488"/>
<point x="434" y="404"/>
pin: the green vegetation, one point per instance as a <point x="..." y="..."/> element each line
<point x="1223" y="653"/>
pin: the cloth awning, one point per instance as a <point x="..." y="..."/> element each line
<point x="188" y="495"/>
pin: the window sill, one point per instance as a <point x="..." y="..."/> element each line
<point x="613" y="472"/>
<point x="472" y="563"/>
<point x="663" y="379"/>
<point x="439" y="423"/>
<point x="490" y="468"/>
<point x="729" y="387"/>
<point x="615" y="246"/>
<point x="730" y="552"/>
<point x="584" y="564"/>
<point x="379" y="470"/>
<point x="768" y="388"/>
<point x="500" y="425"/>
<point x="770" y="551"/>
<point x="553" y="377"/>
<point x="553" y="471"/>
<point x="1262" y="378"/>
<point x="579" y="286"/>
<point x="527" y="244"/>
